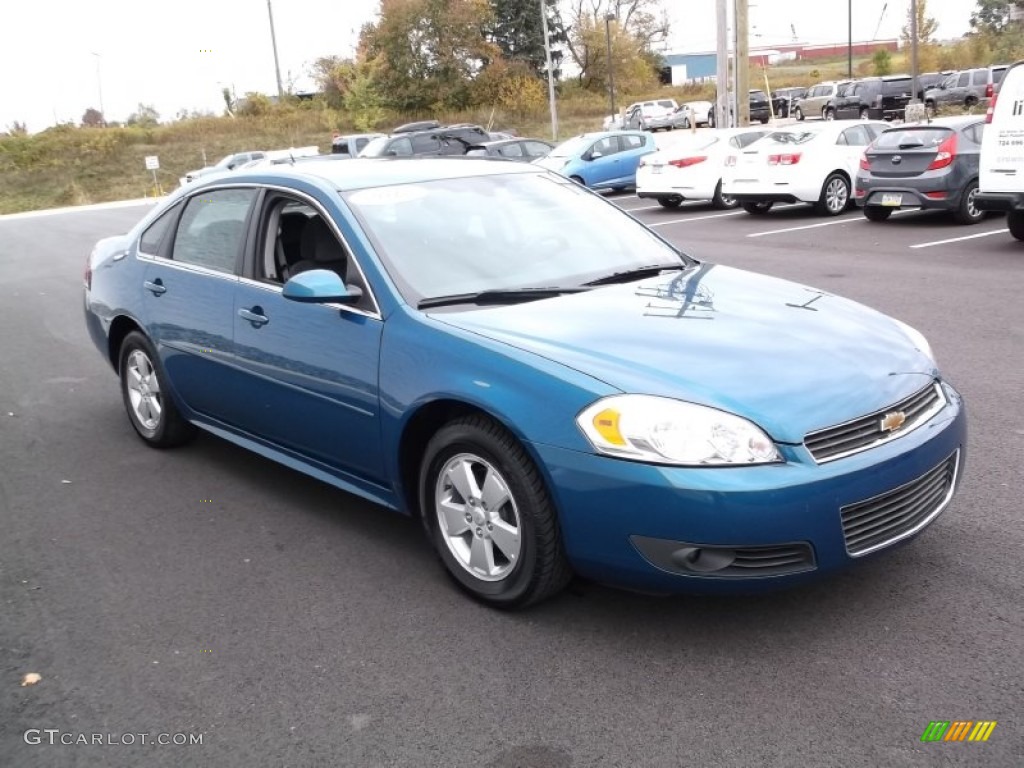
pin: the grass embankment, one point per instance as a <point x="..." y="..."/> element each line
<point x="69" y="165"/>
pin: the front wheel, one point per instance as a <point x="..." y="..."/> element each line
<point x="757" y="209"/>
<point x="835" y="196"/>
<point x="799" y="114"/>
<point x="863" y="113"/>
<point x="579" y="180"/>
<point x="876" y="213"/>
<point x="1015" y="221"/>
<point x="144" y="390"/>
<point x="671" y="202"/>
<point x="723" y="201"/>
<point x="828" y="114"/>
<point x="968" y="212"/>
<point x="490" y="516"/>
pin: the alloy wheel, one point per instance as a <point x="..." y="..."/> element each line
<point x="144" y="390"/>
<point x="478" y="517"/>
<point x="836" y="195"/>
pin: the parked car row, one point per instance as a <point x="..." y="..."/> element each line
<point x="968" y="88"/>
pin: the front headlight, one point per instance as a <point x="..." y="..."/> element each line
<point x="917" y="339"/>
<point x="666" y="431"/>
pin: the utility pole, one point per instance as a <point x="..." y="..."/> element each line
<point x="849" y="38"/>
<point x="913" y="49"/>
<point x="551" y="75"/>
<point x="99" y="89"/>
<point x="742" y="63"/>
<point x="722" y="61"/>
<point x="608" y="39"/>
<point x="273" y="42"/>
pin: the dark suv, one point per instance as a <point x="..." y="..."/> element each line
<point x="440" y="140"/>
<point x="877" y="98"/>
<point x="758" y="105"/>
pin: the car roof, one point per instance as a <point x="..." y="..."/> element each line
<point x="953" y="121"/>
<point x="361" y="173"/>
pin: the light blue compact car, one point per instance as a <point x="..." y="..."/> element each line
<point x="551" y="391"/>
<point x="606" y="160"/>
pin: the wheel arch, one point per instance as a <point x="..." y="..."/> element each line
<point x="421" y="427"/>
<point x="119" y="329"/>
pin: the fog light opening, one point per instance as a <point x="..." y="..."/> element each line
<point x="703" y="559"/>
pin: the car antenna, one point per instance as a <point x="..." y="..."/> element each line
<point x="291" y="157"/>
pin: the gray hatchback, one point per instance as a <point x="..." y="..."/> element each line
<point x="926" y="165"/>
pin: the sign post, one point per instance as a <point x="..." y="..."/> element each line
<point x="153" y="164"/>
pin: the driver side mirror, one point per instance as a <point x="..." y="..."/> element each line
<point x="320" y="286"/>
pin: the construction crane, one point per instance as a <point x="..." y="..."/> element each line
<point x="881" y="18"/>
<point x="795" y="38"/>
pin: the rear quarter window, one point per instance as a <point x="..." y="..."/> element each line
<point x="896" y="86"/>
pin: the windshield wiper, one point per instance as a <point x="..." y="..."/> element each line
<point x="499" y="296"/>
<point x="911" y="145"/>
<point x="626" y="275"/>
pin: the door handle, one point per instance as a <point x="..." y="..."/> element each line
<point x="156" y="287"/>
<point x="254" y="316"/>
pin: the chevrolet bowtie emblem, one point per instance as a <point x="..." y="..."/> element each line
<point x="892" y="421"/>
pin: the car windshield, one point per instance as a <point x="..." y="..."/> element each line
<point x="376" y="147"/>
<point x="667" y="104"/>
<point x="502" y="232"/>
<point x="909" y="138"/>
<point x="571" y="147"/>
<point x="791" y="137"/>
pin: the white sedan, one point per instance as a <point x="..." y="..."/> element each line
<point x="690" y="168"/>
<point x="813" y="163"/>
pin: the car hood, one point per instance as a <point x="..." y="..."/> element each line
<point x="553" y="163"/>
<point x="789" y="357"/>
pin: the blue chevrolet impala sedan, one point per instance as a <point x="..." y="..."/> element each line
<point x="552" y="390"/>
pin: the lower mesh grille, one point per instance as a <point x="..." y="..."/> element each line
<point x="881" y="521"/>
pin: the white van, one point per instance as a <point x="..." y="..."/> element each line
<point x="1001" y="181"/>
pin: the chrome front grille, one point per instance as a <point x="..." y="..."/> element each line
<point x="894" y="515"/>
<point x="867" y="431"/>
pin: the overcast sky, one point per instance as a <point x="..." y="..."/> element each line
<point x="179" y="54"/>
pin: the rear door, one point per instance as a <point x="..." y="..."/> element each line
<point x="1002" y="146"/>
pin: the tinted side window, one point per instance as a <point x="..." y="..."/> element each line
<point x="856" y="136"/>
<point x="212" y="228"/>
<point x="401" y="147"/>
<point x="965" y="79"/>
<point x="511" y="150"/>
<point x="632" y="142"/>
<point x="979" y="77"/>
<point x="997" y="76"/>
<point x="154" y="234"/>
<point x="607" y="146"/>
<point x="425" y="143"/>
<point x="536" y="149"/>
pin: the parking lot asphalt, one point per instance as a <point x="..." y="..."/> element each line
<point x="210" y="592"/>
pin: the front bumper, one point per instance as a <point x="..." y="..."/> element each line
<point x="999" y="201"/>
<point x="621" y="519"/>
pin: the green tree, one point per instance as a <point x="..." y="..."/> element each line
<point x="996" y="16"/>
<point x="92" y="118"/>
<point x="144" y="115"/>
<point x="334" y="75"/>
<point x="882" y="62"/>
<point x="637" y="26"/>
<point x="517" y="29"/>
<point x="425" y="54"/>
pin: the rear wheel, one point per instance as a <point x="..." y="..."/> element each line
<point x="489" y="515"/>
<point x="929" y="109"/>
<point x="876" y="213"/>
<point x="863" y="113"/>
<point x="672" y="201"/>
<point x="835" y="196"/>
<point x="146" y="396"/>
<point x="686" y="122"/>
<point x="757" y="209"/>
<point x="970" y="102"/>
<point x="828" y="113"/>
<point x="1015" y="221"/>
<point x="968" y="212"/>
<point x="723" y="201"/>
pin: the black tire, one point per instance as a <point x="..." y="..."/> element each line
<point x="711" y="119"/>
<point x="1015" y="221"/>
<point x="721" y="201"/>
<point x="686" y="123"/>
<point x="864" y="113"/>
<point x="929" y="109"/>
<point x="876" y="213"/>
<point x="166" y="429"/>
<point x="799" y="114"/>
<point x="828" y="114"/>
<point x="970" y="102"/>
<point x="967" y="212"/>
<point x="757" y="209"/>
<point x="835" y="196"/>
<point x="579" y="180"/>
<point x="672" y="201"/>
<point x="542" y="569"/>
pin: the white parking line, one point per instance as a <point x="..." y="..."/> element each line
<point x="641" y="208"/>
<point x="958" y="239"/>
<point x="844" y="220"/>
<point x="81" y="208"/>
<point x="695" y="218"/>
